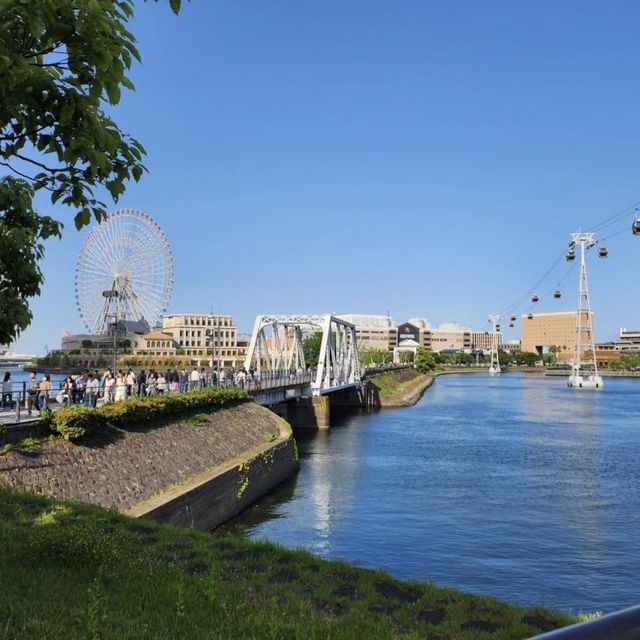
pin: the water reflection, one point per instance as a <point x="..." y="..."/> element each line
<point x="514" y="486"/>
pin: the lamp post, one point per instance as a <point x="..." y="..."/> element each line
<point x="109" y="295"/>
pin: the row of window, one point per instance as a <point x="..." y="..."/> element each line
<point x="204" y="321"/>
<point x="198" y="332"/>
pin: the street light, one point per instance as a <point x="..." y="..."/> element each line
<point x="108" y="295"/>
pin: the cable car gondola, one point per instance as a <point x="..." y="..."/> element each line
<point x="571" y="255"/>
<point x="498" y="327"/>
<point x="557" y="294"/>
<point x="530" y="316"/>
<point x="635" y="227"/>
<point x="513" y="318"/>
<point x="511" y="324"/>
<point x="603" y="252"/>
<point x="535" y="297"/>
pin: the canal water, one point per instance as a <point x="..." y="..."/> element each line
<point x="512" y="486"/>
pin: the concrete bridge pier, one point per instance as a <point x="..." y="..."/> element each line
<point x="322" y="411"/>
<point x="310" y="413"/>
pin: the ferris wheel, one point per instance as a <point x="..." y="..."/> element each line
<point x="124" y="271"/>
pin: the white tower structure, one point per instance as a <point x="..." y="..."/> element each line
<point x="494" y="367"/>
<point x="585" y="352"/>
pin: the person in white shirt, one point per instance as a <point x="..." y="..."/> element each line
<point x="195" y="379"/>
<point x="91" y="391"/>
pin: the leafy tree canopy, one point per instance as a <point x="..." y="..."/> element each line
<point x="311" y="348"/>
<point x="61" y="62"/>
<point x="425" y="361"/>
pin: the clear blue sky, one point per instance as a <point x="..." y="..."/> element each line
<point x="425" y="158"/>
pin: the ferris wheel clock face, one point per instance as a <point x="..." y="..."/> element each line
<point x="125" y="266"/>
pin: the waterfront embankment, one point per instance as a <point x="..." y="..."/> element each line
<point x="197" y="470"/>
<point x="395" y="388"/>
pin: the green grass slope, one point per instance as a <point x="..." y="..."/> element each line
<point x="70" y="571"/>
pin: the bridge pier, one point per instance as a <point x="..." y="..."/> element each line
<point x="310" y="413"/>
<point x="322" y="411"/>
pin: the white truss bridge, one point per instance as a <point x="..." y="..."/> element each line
<point x="275" y="352"/>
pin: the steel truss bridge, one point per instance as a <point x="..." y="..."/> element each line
<point x="276" y="353"/>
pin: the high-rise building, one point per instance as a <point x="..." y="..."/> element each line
<point x="542" y="331"/>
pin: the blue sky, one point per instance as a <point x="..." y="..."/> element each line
<point x="423" y="158"/>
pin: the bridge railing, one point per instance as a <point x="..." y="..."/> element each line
<point x="278" y="379"/>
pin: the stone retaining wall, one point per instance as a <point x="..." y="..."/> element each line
<point x="120" y="470"/>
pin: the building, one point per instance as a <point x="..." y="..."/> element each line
<point x="629" y="341"/>
<point x="451" y="336"/>
<point x="484" y="340"/>
<point x="542" y="331"/>
<point x="511" y="346"/>
<point x="156" y="344"/>
<point x="424" y="335"/>
<point x="205" y="339"/>
<point x="373" y="332"/>
<point x="89" y="350"/>
<point x="408" y="340"/>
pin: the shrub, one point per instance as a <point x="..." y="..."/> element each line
<point x="75" y="422"/>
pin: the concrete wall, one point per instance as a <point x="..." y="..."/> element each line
<point x="211" y="498"/>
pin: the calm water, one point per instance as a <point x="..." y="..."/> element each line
<point x="18" y="377"/>
<point x="513" y="486"/>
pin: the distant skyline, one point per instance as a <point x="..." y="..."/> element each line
<point x="419" y="158"/>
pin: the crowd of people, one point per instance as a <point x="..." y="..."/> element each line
<point x="91" y="388"/>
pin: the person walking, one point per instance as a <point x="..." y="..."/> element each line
<point x="121" y="387"/>
<point x="161" y="383"/>
<point x="152" y="383"/>
<point x="45" y="389"/>
<point x="109" y="388"/>
<point x="195" y="379"/>
<point x="91" y="391"/>
<point x="7" y="390"/>
<point x="142" y="384"/>
<point x="67" y="391"/>
<point x="184" y="381"/>
<point x="131" y="381"/>
<point x="31" y="400"/>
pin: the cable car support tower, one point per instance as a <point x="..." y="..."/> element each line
<point x="585" y="352"/>
<point x="494" y="366"/>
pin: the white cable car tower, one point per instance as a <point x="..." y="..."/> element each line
<point x="494" y="367"/>
<point x="585" y="351"/>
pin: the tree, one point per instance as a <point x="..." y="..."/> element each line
<point x="505" y="357"/>
<point x="527" y="358"/>
<point x="425" y="361"/>
<point x="61" y="61"/>
<point x="87" y="344"/>
<point x="375" y="356"/>
<point x="311" y="349"/>
<point x="407" y="357"/>
<point x="464" y="358"/>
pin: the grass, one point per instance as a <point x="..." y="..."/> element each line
<point x="24" y="445"/>
<point x="70" y="571"/>
<point x="196" y="420"/>
<point x="389" y="383"/>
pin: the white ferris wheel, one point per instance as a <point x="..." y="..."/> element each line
<point x="124" y="271"/>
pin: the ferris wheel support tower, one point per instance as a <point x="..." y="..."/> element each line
<point x="585" y="351"/>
